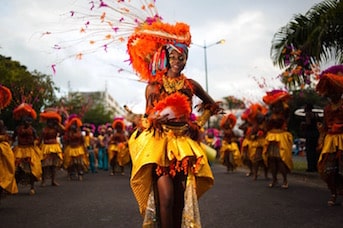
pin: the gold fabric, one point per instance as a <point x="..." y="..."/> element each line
<point x="52" y="149"/>
<point x="147" y="150"/>
<point x="191" y="212"/>
<point x="74" y="152"/>
<point x="285" y="140"/>
<point x="35" y="155"/>
<point x="332" y="142"/>
<point x="7" y="168"/>
<point x="233" y="148"/>
<point x="121" y="151"/>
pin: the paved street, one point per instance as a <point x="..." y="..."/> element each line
<point x="101" y="200"/>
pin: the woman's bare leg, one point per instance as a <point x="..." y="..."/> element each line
<point x="166" y="199"/>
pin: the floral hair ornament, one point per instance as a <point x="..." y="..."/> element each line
<point x="5" y="96"/>
<point x="331" y="79"/>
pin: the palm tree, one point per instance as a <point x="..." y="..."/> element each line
<point x="309" y="40"/>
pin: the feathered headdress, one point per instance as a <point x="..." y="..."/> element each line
<point x="230" y="118"/>
<point x="118" y="121"/>
<point x="73" y="118"/>
<point x="275" y="95"/>
<point x="331" y="80"/>
<point x="5" y="96"/>
<point x="50" y="114"/>
<point x="134" y="23"/>
<point x="22" y="110"/>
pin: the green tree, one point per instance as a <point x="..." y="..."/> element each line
<point x="30" y="87"/>
<point x="307" y="42"/>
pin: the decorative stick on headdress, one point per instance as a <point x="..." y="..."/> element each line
<point x="135" y="23"/>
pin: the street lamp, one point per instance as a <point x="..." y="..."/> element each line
<point x="205" y="47"/>
<point x="205" y="59"/>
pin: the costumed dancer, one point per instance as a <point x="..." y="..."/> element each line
<point x="90" y="144"/>
<point x="75" y="154"/>
<point x="258" y="132"/>
<point x="230" y="155"/>
<point x="102" y="148"/>
<point x="330" y="163"/>
<point x="7" y="160"/>
<point x="170" y="168"/>
<point x="278" y="148"/>
<point x="27" y="153"/>
<point x="50" y="147"/>
<point x="118" y="151"/>
<point x="246" y="142"/>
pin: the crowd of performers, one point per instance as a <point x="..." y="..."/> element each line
<point x="28" y="156"/>
<point x="267" y="144"/>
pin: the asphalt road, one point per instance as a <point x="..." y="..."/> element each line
<point x="101" y="200"/>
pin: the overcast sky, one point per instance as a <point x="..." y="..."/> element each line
<point x="234" y="68"/>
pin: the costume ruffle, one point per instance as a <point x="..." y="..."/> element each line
<point x="35" y="155"/>
<point x="7" y="168"/>
<point x="52" y="148"/>
<point x="73" y="152"/>
<point x="285" y="140"/>
<point x="121" y="151"/>
<point x="233" y="148"/>
<point x="147" y="149"/>
<point x="332" y="142"/>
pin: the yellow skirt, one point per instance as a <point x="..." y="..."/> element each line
<point x="233" y="147"/>
<point x="285" y="140"/>
<point x="332" y="142"/>
<point x="121" y="151"/>
<point x="7" y="168"/>
<point x="35" y="155"/>
<point x="71" y="152"/>
<point x="52" y="148"/>
<point x="146" y="150"/>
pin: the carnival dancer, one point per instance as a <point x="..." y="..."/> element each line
<point x="75" y="156"/>
<point x="90" y="144"/>
<point x="246" y="142"/>
<point x="118" y="151"/>
<point x="330" y="163"/>
<point x="170" y="169"/>
<point x="50" y="147"/>
<point x="7" y="160"/>
<point x="27" y="153"/>
<point x="230" y="155"/>
<point x="102" y="148"/>
<point x="278" y="148"/>
<point x="256" y="118"/>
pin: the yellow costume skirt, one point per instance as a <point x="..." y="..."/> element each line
<point x="47" y="150"/>
<point x="7" y="168"/>
<point x="254" y="144"/>
<point x="233" y="148"/>
<point x="75" y="152"/>
<point x="121" y="151"/>
<point x="35" y="156"/>
<point x="285" y="141"/>
<point x="332" y="143"/>
<point x="148" y="150"/>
